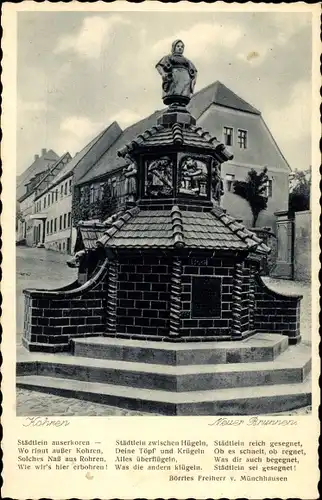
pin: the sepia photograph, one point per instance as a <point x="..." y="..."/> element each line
<point x="163" y="213"/>
<point x="160" y="243"/>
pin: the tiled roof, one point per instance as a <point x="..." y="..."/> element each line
<point x="46" y="181"/>
<point x="77" y="158"/>
<point x="192" y="136"/>
<point x="39" y="165"/>
<point x="218" y="93"/>
<point x="110" y="161"/>
<point x="177" y="228"/>
<point x="94" y="229"/>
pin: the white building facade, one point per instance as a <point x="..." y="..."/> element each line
<point x="53" y="207"/>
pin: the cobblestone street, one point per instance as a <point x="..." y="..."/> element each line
<point x="30" y="403"/>
<point x="40" y="268"/>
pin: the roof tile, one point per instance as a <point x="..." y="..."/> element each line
<point x="164" y="229"/>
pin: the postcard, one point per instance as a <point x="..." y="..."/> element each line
<point x="160" y="250"/>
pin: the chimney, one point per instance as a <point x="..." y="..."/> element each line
<point x="43" y="151"/>
<point x="36" y="157"/>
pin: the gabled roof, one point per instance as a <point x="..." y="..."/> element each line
<point x="64" y="159"/>
<point x="110" y="161"/>
<point x="172" y="228"/>
<point x="39" y="165"/>
<point x="91" y="152"/>
<point x="218" y="93"/>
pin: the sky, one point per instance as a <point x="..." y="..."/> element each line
<point x="79" y="71"/>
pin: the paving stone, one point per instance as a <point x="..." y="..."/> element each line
<point x="31" y="403"/>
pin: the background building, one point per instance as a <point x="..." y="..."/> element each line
<point x="242" y="128"/>
<point x="53" y="199"/>
<point x="233" y="121"/>
<point x="50" y="207"/>
<point x="26" y="191"/>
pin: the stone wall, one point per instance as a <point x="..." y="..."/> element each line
<point x="276" y="312"/>
<point x="302" y="246"/>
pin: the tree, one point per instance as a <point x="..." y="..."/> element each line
<point x="84" y="209"/>
<point x="253" y="190"/>
<point x="300" y="190"/>
<point x="107" y="205"/>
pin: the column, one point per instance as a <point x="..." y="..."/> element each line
<point x="43" y="231"/>
<point x="112" y="296"/>
<point x="236" y="299"/>
<point x="175" y="298"/>
<point x="251" y="296"/>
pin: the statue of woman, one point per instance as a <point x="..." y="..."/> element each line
<point x="130" y="174"/>
<point x="178" y="75"/>
<point x="217" y="185"/>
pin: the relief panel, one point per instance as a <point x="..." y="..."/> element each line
<point x="193" y="177"/>
<point x="159" y="177"/>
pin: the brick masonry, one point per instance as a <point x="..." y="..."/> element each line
<point x="143" y="295"/>
<point x="277" y="313"/>
<point x="144" y="291"/>
<point x="52" y="318"/>
<point x="207" y="267"/>
<point x="143" y="303"/>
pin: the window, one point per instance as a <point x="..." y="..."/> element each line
<point x="60" y="222"/>
<point x="91" y="195"/>
<point x="45" y="202"/>
<point x="69" y="219"/>
<point x="61" y="191"/>
<point x="242" y="139"/>
<point x="101" y="190"/>
<point x="51" y="225"/>
<point x="55" y="225"/>
<point x="65" y="219"/>
<point x="70" y="185"/>
<point x="228" y="136"/>
<point x="65" y="190"/>
<point x="47" y="228"/>
<point x="113" y="186"/>
<point x="229" y="182"/>
<point x="56" y="195"/>
<point x="268" y="193"/>
<point x="52" y="197"/>
<point x="48" y="201"/>
<point x="97" y="193"/>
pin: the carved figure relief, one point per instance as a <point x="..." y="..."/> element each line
<point x="193" y="176"/>
<point x="159" y="177"/>
<point x="217" y="186"/>
<point x="130" y="174"/>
